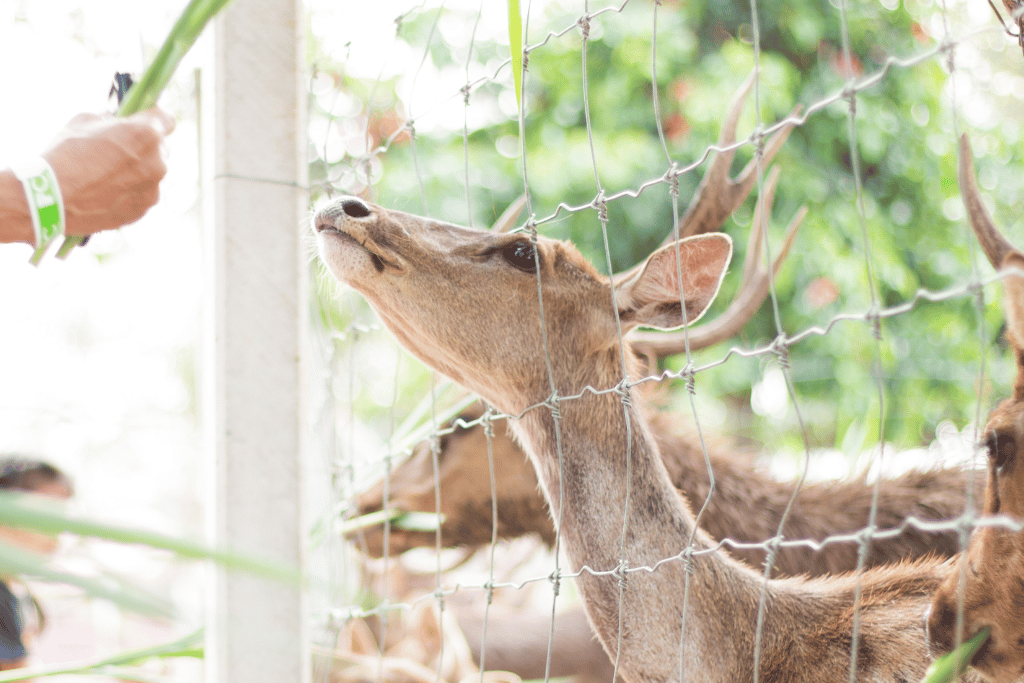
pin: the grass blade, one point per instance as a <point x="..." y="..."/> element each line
<point x="157" y="75"/>
<point x="515" y="46"/>
<point x="950" y="666"/>
<point x="190" y="645"/>
<point x="15" y="560"/>
<point x="180" y="40"/>
<point x="410" y="521"/>
<point x="20" y="510"/>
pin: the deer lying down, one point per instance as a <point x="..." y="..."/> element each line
<point x="993" y="588"/>
<point x="531" y="327"/>
<point x="746" y="506"/>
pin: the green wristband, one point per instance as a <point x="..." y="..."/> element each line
<point x="44" y="203"/>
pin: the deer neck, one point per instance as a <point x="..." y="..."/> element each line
<point x="617" y="509"/>
<point x="613" y="500"/>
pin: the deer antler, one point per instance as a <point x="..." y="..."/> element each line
<point x="719" y="195"/>
<point x="1016" y="10"/>
<point x="507" y="220"/>
<point x="755" y="286"/>
<point x="717" y="198"/>
<point x="995" y="246"/>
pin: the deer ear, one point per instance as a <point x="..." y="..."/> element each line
<point x="648" y="295"/>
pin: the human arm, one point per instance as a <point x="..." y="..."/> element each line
<point x="108" y="170"/>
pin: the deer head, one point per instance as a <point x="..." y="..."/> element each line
<point x="465" y="459"/>
<point x="992" y="568"/>
<point x="495" y="311"/>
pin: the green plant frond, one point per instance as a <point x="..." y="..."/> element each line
<point x="951" y="666"/>
<point x="146" y="91"/>
<point x="423" y="420"/>
<point x="515" y="46"/>
<point x="17" y="561"/>
<point x="117" y="665"/>
<point x="22" y="511"/>
<point x="410" y="521"/>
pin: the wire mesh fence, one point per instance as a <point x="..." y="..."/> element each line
<point x="876" y="338"/>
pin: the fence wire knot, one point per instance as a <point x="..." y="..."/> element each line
<point x="584" y="24"/>
<point x="780" y="349"/>
<point x="977" y="292"/>
<point x="874" y="317"/>
<point x="864" y="538"/>
<point x="622" y="389"/>
<point x="948" y="47"/>
<point x="686" y="557"/>
<point x="673" y="180"/>
<point x="620" y="573"/>
<point x="526" y="59"/>
<point x="465" y="90"/>
<point x="690" y="376"/>
<point x="552" y="404"/>
<point x="757" y="140"/>
<point x="601" y="205"/>
<point x="556" y="581"/>
<point x="487" y="420"/>
<point x="850" y="94"/>
<point x="531" y="227"/>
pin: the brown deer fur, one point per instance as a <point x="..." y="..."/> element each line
<point x="469" y="304"/>
<point x="990" y="573"/>
<point x="746" y="506"/>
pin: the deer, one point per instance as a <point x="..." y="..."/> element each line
<point x="526" y="323"/>
<point x="987" y="585"/>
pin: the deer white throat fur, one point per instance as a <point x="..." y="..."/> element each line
<point x="466" y="303"/>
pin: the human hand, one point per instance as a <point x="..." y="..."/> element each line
<point x="108" y="168"/>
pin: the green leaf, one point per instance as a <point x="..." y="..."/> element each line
<point x="515" y="46"/>
<point x="419" y="521"/>
<point x="410" y="521"/>
<point x="14" y="560"/>
<point x="190" y="645"/>
<point x="27" y="512"/>
<point x="182" y="37"/>
<point x="950" y="666"/>
<point x="146" y="91"/>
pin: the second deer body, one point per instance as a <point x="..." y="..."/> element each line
<point x="746" y="505"/>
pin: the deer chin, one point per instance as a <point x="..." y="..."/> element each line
<point x="350" y="260"/>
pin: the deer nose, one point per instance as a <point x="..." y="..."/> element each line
<point x="354" y="207"/>
<point x="349" y="207"/>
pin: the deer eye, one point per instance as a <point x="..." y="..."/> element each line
<point x="1001" y="449"/>
<point x="520" y="255"/>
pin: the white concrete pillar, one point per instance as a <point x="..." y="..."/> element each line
<point x="258" y="630"/>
